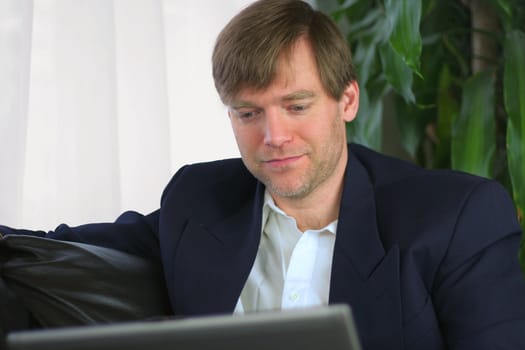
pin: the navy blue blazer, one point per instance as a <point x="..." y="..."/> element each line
<point x="426" y="259"/>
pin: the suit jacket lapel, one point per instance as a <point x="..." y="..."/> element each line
<point x="363" y="276"/>
<point x="214" y="260"/>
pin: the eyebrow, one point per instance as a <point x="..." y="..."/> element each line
<point x="294" y="96"/>
<point x="242" y="104"/>
<point x="299" y="95"/>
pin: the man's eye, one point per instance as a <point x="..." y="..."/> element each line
<point x="248" y="114"/>
<point x="298" y="108"/>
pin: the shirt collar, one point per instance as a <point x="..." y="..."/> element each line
<point x="269" y="206"/>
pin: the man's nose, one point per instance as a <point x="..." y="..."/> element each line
<point x="276" y="129"/>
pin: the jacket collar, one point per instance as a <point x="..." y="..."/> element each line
<point x="357" y="234"/>
<point x="363" y="274"/>
<point x="213" y="260"/>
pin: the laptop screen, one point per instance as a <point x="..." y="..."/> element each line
<point x="329" y="327"/>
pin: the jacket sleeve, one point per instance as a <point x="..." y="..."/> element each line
<point x="132" y="233"/>
<point x="479" y="292"/>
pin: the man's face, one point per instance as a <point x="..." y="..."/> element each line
<point x="292" y="135"/>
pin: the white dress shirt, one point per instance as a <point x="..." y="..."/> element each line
<point x="292" y="268"/>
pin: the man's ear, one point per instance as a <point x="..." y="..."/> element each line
<point x="350" y="101"/>
<point x="230" y="114"/>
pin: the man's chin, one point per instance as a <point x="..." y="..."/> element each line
<point x="288" y="191"/>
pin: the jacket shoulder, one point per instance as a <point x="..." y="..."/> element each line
<point x="211" y="185"/>
<point x="385" y="171"/>
<point x="411" y="200"/>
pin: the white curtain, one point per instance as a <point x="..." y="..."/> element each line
<point x="101" y="101"/>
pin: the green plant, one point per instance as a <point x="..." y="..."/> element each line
<point x="455" y="73"/>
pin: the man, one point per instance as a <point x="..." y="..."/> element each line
<point x="426" y="259"/>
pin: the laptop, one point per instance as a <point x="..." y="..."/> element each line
<point x="328" y="327"/>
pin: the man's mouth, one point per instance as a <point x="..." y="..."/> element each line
<point x="281" y="162"/>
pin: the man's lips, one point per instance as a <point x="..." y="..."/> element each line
<point x="282" y="161"/>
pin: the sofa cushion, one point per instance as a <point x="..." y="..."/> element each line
<point x="66" y="283"/>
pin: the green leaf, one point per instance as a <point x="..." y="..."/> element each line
<point x="364" y="58"/>
<point x="514" y="97"/>
<point x="458" y="53"/>
<point x="363" y="24"/>
<point x="511" y="13"/>
<point x="405" y="16"/>
<point x="504" y="8"/>
<point x="474" y="131"/>
<point x="411" y="124"/>
<point x="366" y="47"/>
<point x="447" y="110"/>
<point x="366" y="128"/>
<point x="397" y="73"/>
